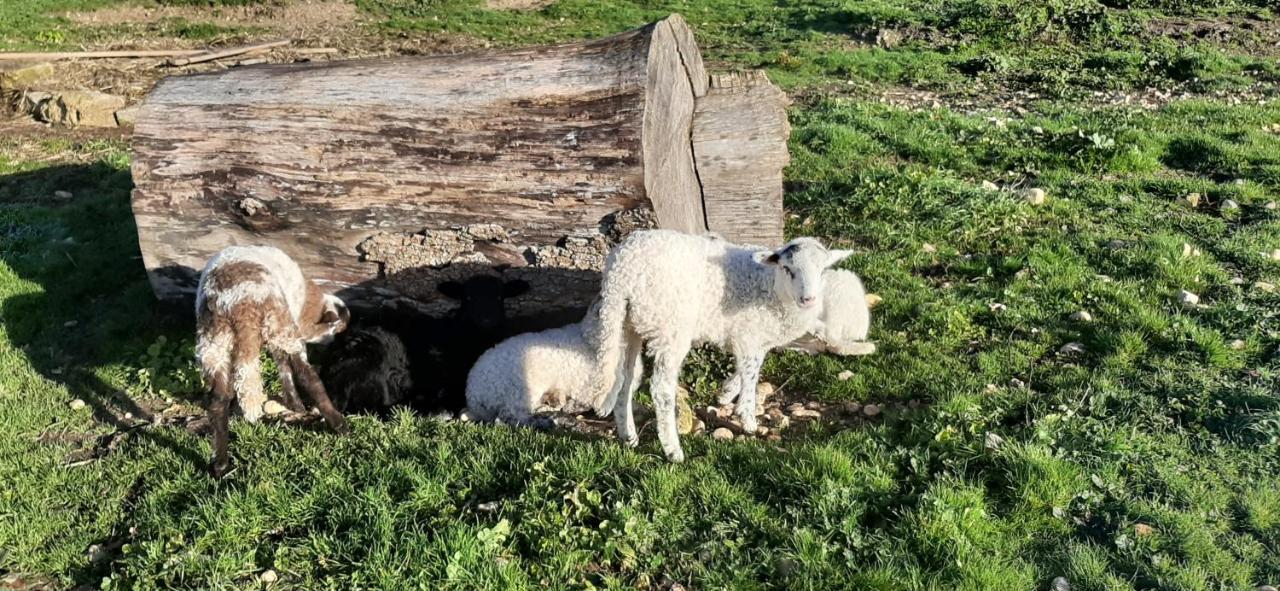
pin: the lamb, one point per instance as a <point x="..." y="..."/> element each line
<point x="401" y="355"/>
<point x="255" y="297"/>
<point x="548" y="371"/>
<point x="845" y="317"/>
<point x="673" y="290"/>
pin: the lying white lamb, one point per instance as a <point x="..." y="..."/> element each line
<point x="670" y="291"/>
<point x="845" y="317"/>
<point x="533" y="373"/>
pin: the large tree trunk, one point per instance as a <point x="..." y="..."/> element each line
<point x="384" y="177"/>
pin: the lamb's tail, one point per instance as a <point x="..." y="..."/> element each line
<point x="609" y="337"/>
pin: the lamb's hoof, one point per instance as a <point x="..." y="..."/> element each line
<point x="219" y="469"/>
<point x="341" y="427"/>
<point x="750" y="426"/>
<point x="630" y="441"/>
<point x="676" y="457"/>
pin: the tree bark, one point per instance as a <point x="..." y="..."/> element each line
<point x="384" y="177"/>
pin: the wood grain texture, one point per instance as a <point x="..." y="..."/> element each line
<point x="359" y="169"/>
<point x="740" y="133"/>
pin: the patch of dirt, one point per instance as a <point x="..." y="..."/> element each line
<point x="517" y="4"/>
<point x="1254" y="36"/>
<point x="300" y="19"/>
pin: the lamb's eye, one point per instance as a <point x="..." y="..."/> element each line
<point x="790" y="273"/>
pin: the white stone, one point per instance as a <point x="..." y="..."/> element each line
<point x="273" y="408"/>
<point x="1230" y="205"/>
<point x="1188" y="299"/>
<point x="1082" y="316"/>
<point x="722" y="434"/>
<point x="990" y="186"/>
<point x="993" y="441"/>
<point x="873" y="300"/>
<point x="1190" y="200"/>
<point x="1275" y="254"/>
<point x="928" y="247"/>
<point x="63" y="195"/>
<point x="1238" y="344"/>
<point x="806" y="413"/>
<point x="1072" y="349"/>
<point x="1264" y="286"/>
<point x="1034" y="196"/>
<point x="871" y="410"/>
<point x="844" y="375"/>
<point x="269" y="576"/>
<point x="997" y="307"/>
<point x="77" y="404"/>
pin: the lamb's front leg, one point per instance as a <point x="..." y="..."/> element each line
<point x="288" y="388"/>
<point x="749" y="364"/>
<point x="732" y="387"/>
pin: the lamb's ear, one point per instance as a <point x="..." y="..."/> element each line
<point x="451" y="289"/>
<point x="515" y="288"/>
<point x="334" y="311"/>
<point x="835" y="256"/>
<point x="765" y="257"/>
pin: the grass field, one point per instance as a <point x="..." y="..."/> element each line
<point x="1149" y="460"/>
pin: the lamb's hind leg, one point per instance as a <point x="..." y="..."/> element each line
<point x="732" y="387"/>
<point x="668" y="357"/>
<point x="314" y="388"/>
<point x="623" y="417"/>
<point x="288" y="387"/>
<point x="219" y="408"/>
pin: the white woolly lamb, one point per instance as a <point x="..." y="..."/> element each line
<point x="845" y="317"/>
<point x="673" y="290"/>
<point x="532" y="373"/>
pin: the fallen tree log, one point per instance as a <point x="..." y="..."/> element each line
<point x="384" y="177"/>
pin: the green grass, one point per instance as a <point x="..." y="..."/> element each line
<point x="1148" y="462"/>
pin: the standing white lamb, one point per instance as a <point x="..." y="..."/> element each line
<point x="845" y="317"/>
<point x="548" y="371"/>
<point x="255" y="297"/>
<point x="671" y="291"/>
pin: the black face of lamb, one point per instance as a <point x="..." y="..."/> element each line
<point x="359" y="376"/>
<point x="481" y="299"/>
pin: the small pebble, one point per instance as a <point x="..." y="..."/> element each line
<point x="1275" y="254"/>
<point x="1017" y="384"/>
<point x="1191" y="200"/>
<point x="1265" y="588"/>
<point x="722" y="434"/>
<point x="71" y="323"/>
<point x="1237" y="345"/>
<point x="1037" y="130"/>
<point x="1230" y="205"/>
<point x="1270" y="205"/>
<point x="1034" y="196"/>
<point x="997" y="307"/>
<point x="1061" y="584"/>
<point x="1072" y="349"/>
<point x="762" y="431"/>
<point x="992" y="387"/>
<point x="873" y="300"/>
<point x="871" y="410"/>
<point x="852" y="408"/>
<point x="990" y="186"/>
<point x="96" y="553"/>
<point x="64" y="195"/>
<point x="796" y="406"/>
<point x="269" y="576"/>
<point x="806" y="413"/>
<point x="813" y="405"/>
<point x="273" y="408"/>
<point x="76" y="404"/>
<point x="487" y="507"/>
<point x="1264" y="286"/>
<point x="1143" y="529"/>
<point x="1188" y="299"/>
<point x="1116" y="244"/>
<point x="782" y="423"/>
<point x="928" y="247"/>
<point x="993" y="441"/>
<point x="1082" y="316"/>
<point x="1189" y="251"/>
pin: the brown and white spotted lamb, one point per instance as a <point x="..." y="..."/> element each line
<point x="255" y="297"/>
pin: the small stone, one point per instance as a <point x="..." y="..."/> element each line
<point x="1061" y="584"/>
<point x="70" y="323"/>
<point x="722" y="434"/>
<point x="1037" y="130"/>
<point x="813" y="405"/>
<point x="1082" y="316"/>
<point x="873" y="300"/>
<point x="993" y="441"/>
<point x="1275" y="254"/>
<point x="128" y="416"/>
<point x="796" y="406"/>
<point x="764" y="390"/>
<point x="699" y="426"/>
<point x="487" y="507"/>
<point x="997" y="307"/>
<point x="1236" y="281"/>
<point x="1072" y="349"/>
<point x="992" y="387"/>
<point x="62" y="195"/>
<point x="273" y="408"/>
<point x="1188" y="299"/>
<point x="806" y="413"/>
<point x="1229" y="205"/>
<point x="782" y="423"/>
<point x="1265" y="588"/>
<point x="852" y="408"/>
<point x="1237" y="345"/>
<point x="20" y="76"/>
<point x="269" y="576"/>
<point x="871" y="410"/>
<point x="1142" y="529"/>
<point x="928" y="247"/>
<point x="1264" y="286"/>
<point x="774" y="436"/>
<point x="76" y="404"/>
<point x="888" y="38"/>
<point x="1189" y="251"/>
<point x="1017" y="384"/>
<point x="1034" y="196"/>
<point x="1270" y="205"/>
<point x="127" y="116"/>
<point x="96" y="553"/>
<point x="990" y="186"/>
<point x="72" y="108"/>
<point x="684" y="412"/>
<point x="762" y="431"/>
<point x="1190" y="200"/>
<point x="1116" y="244"/>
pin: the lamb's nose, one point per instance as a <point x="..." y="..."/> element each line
<point x="806" y="301"/>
